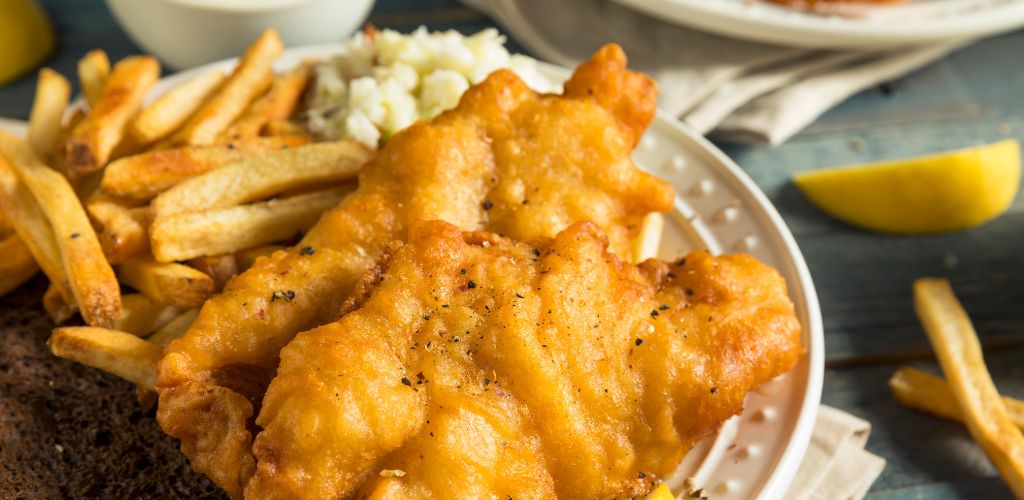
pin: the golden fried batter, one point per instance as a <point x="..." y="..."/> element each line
<point x="506" y="160"/>
<point x="470" y="366"/>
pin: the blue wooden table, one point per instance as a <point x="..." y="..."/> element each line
<point x="863" y="279"/>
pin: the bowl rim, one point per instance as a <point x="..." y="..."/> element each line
<point x="243" y="7"/>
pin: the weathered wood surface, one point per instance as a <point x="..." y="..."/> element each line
<point x="863" y="279"/>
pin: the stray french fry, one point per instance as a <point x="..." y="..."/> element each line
<point x="645" y="244"/>
<point x="262" y="176"/>
<point x="277" y="104"/>
<point x="118" y="353"/>
<point x="215" y="232"/>
<point x="249" y="79"/>
<point x="92" y="280"/>
<point x="171" y="110"/>
<point x="148" y="174"/>
<point x="44" y="122"/>
<point x="90" y="144"/>
<point x="925" y="392"/>
<point x="959" y="353"/>
<point x="220" y="268"/>
<point x="55" y="306"/>
<point x="246" y="258"/>
<point x="143" y="315"/>
<point x="171" y="283"/>
<point x="16" y="263"/>
<point x="23" y="213"/>
<point x="278" y="127"/>
<point x="176" y="328"/>
<point x="93" y="72"/>
<point x="124" y="229"/>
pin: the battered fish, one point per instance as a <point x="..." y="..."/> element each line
<point x="471" y="366"/>
<point x="506" y="160"/>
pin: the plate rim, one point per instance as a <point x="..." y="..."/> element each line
<point x="818" y="31"/>
<point x="784" y="471"/>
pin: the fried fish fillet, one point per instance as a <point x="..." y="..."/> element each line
<point x="506" y="160"/>
<point x="471" y="366"/>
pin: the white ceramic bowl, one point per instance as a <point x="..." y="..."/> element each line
<point x="187" y="33"/>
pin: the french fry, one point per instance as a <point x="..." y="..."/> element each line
<point x="249" y="79"/>
<point x="91" y="279"/>
<point x="261" y="176"/>
<point x="44" y="122"/>
<point x="277" y="104"/>
<point x="91" y="143"/>
<point x="141" y="315"/>
<point x="645" y="244"/>
<point x="16" y="263"/>
<point x="171" y="283"/>
<point x="57" y="158"/>
<point x="215" y="232"/>
<point x="124" y="229"/>
<point x="93" y="72"/>
<point x="23" y="213"/>
<point x="146" y="175"/>
<point x="171" y="110"/>
<point x="278" y="127"/>
<point x="246" y="258"/>
<point x="56" y="307"/>
<point x="928" y="393"/>
<point x="959" y="353"/>
<point x="220" y="268"/>
<point x="118" y="353"/>
<point x="176" y="328"/>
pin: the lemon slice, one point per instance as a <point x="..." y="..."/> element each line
<point x="928" y="194"/>
<point x="661" y="493"/>
<point x="26" y="38"/>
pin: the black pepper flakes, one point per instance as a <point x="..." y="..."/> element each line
<point x="462" y="271"/>
<point x="714" y="390"/>
<point x="639" y="341"/>
<point x="307" y="251"/>
<point x="641" y="475"/>
<point x="487" y="381"/>
<point x="536" y="252"/>
<point x="487" y="204"/>
<point x="471" y="284"/>
<point x="681" y="261"/>
<point x="75" y="235"/>
<point x="663" y="307"/>
<point x="519" y="295"/>
<point x="285" y="295"/>
<point x="406" y="381"/>
<point x="689" y="292"/>
<point x="654" y="313"/>
<point x="426" y="317"/>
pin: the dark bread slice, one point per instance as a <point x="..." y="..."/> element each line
<point x="70" y="431"/>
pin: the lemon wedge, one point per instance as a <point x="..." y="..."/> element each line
<point x="927" y="194"/>
<point x="26" y="38"/>
<point x="661" y="493"/>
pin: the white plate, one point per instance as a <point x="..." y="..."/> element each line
<point x="757" y="20"/>
<point x="720" y="209"/>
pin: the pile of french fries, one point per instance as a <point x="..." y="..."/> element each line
<point x="968" y="395"/>
<point x="138" y="211"/>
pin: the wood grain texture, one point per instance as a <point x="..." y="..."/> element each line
<point x="863" y="279"/>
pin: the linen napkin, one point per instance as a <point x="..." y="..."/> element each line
<point x="726" y="87"/>
<point x="836" y="466"/>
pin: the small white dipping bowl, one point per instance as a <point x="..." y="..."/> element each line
<point x="187" y="33"/>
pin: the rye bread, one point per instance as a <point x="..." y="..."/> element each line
<point x="69" y="431"/>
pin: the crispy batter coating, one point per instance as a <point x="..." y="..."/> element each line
<point x="467" y="363"/>
<point x="506" y="160"/>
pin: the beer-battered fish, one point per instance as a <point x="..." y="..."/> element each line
<point x="506" y="160"/>
<point x="470" y="366"/>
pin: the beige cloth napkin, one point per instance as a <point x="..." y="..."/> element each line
<point x="836" y="466"/>
<point x="729" y="88"/>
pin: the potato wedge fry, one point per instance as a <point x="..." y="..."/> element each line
<point x="959" y="353"/>
<point x="55" y="306"/>
<point x="249" y="79"/>
<point x="141" y="315"/>
<point x="91" y="279"/>
<point x="29" y="223"/>
<point x="220" y="268"/>
<point x="645" y="244"/>
<point x="246" y="258"/>
<point x="124" y="229"/>
<point x="90" y="144"/>
<point x="215" y="232"/>
<point x="146" y="175"/>
<point x="277" y="104"/>
<point x="171" y="283"/>
<point x="115" y="352"/>
<point x="93" y="72"/>
<point x="262" y="176"/>
<point x="177" y="327"/>
<point x="44" y="122"/>
<point x="928" y="393"/>
<point x="171" y="110"/>
<point x="16" y="263"/>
